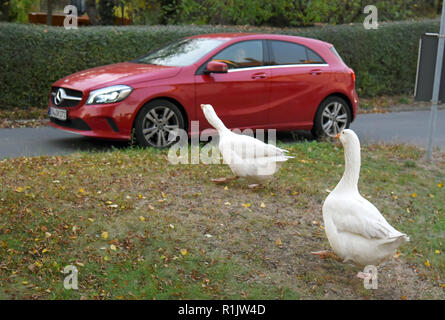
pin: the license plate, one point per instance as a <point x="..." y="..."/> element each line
<point x="58" y="113"/>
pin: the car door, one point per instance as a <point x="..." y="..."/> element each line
<point x="241" y="95"/>
<point x="298" y="77"/>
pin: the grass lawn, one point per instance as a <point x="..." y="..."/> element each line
<point x="136" y="226"/>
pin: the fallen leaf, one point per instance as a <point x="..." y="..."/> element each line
<point x="440" y="185"/>
<point x="262" y="205"/>
<point x="184" y="252"/>
<point x="105" y="235"/>
<point x="278" y="242"/>
<point x="141" y="218"/>
<point x="413" y="194"/>
<point x="113" y="247"/>
<point x="427" y="263"/>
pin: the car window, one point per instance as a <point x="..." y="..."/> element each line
<point x="313" y="57"/>
<point x="183" y="52"/>
<point x="284" y="53"/>
<point x="245" y="54"/>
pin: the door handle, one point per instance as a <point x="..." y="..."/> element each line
<point x="315" y="72"/>
<point x="259" y="75"/>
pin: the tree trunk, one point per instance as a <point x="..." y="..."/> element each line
<point x="49" y="12"/>
<point x="4" y="8"/>
<point x="92" y="12"/>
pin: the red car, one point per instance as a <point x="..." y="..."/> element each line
<point x="252" y="80"/>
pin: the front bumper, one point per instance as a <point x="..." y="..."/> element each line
<point x="99" y="121"/>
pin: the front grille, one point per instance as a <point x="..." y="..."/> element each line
<point x="67" y="103"/>
<point x="74" y="123"/>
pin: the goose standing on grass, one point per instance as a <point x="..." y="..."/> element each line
<point x="248" y="157"/>
<point x="355" y="228"/>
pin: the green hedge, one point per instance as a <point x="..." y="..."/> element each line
<point x="32" y="57"/>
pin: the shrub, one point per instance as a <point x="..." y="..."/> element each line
<point x="289" y="13"/>
<point x="32" y="57"/>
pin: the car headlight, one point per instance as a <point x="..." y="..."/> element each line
<point x="109" y="94"/>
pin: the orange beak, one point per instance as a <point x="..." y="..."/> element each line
<point x="338" y="135"/>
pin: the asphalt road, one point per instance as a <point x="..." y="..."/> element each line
<point x="401" y="127"/>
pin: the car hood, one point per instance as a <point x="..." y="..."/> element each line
<point x="120" y="73"/>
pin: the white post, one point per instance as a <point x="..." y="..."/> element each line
<point x="436" y="85"/>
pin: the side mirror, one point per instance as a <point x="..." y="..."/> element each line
<point x="216" y="67"/>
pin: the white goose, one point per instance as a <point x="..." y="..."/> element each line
<point x="246" y="156"/>
<point x="355" y="228"/>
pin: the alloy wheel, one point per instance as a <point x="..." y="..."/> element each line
<point x="159" y="126"/>
<point x="334" y="118"/>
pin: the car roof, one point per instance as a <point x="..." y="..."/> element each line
<point x="269" y="36"/>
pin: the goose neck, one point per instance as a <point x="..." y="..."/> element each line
<point x="352" y="168"/>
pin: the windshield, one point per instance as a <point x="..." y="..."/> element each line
<point x="182" y="53"/>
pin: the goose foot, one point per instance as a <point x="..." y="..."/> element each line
<point x="254" y="186"/>
<point x="326" y="254"/>
<point x="223" y="180"/>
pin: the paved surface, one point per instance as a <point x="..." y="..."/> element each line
<point x="401" y="127"/>
<point x="47" y="141"/>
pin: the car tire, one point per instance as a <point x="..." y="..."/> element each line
<point x="156" y="124"/>
<point x="333" y="115"/>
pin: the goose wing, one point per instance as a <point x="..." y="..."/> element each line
<point x="248" y="147"/>
<point x="359" y="216"/>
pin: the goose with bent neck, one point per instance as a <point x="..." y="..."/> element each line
<point x="246" y="156"/>
<point x="355" y="228"/>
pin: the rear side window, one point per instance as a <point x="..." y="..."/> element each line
<point x="284" y="52"/>
<point x="244" y="54"/>
<point x="313" y="57"/>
